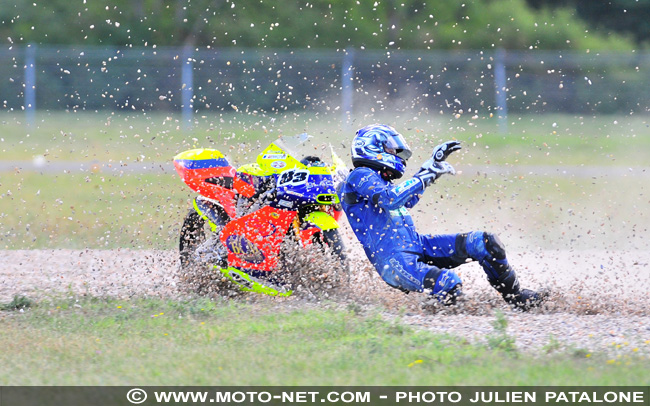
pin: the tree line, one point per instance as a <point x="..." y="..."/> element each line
<point x="371" y="24"/>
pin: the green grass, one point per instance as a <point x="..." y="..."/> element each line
<point x="96" y="210"/>
<point x="101" y="210"/>
<point x="199" y="342"/>
<point x="91" y="210"/>
<point x="532" y="140"/>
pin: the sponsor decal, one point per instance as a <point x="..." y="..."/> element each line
<point x="405" y="186"/>
<point x="283" y="203"/>
<point x="444" y="279"/>
<point x="278" y="164"/>
<point x="364" y="179"/>
<point x="324" y="183"/>
<point x="401" y="212"/>
<point x="245" y="249"/>
<point x="294" y="193"/>
<point x="274" y="156"/>
<point x="360" y="143"/>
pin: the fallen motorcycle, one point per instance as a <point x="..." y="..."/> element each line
<point x="242" y="218"/>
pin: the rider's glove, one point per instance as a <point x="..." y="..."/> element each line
<point x="442" y="151"/>
<point x="436" y="165"/>
<point x="432" y="170"/>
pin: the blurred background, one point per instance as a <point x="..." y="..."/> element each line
<point x="549" y="98"/>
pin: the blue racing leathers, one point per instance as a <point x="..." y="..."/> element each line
<point x="377" y="212"/>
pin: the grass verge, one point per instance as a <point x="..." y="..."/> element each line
<point x="200" y="342"/>
<point x="551" y="140"/>
<point x="145" y="211"/>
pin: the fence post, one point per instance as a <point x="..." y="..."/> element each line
<point x="30" y="84"/>
<point x="347" y="83"/>
<point x="500" y="84"/>
<point x="187" y="89"/>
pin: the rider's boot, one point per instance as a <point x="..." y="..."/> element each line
<point x="486" y="248"/>
<point x="525" y="299"/>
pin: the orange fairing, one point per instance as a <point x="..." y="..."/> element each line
<point x="207" y="172"/>
<point x="253" y="241"/>
<point x="306" y="236"/>
<point x="244" y="188"/>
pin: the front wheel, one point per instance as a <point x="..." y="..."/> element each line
<point x="319" y="269"/>
<point x="332" y="238"/>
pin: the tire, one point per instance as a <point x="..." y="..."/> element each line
<point x="192" y="235"/>
<point x="332" y="238"/>
<point x="196" y="277"/>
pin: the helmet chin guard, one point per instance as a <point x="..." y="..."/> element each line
<point x="380" y="147"/>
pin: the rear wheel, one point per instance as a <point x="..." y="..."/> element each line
<point x="197" y="275"/>
<point x="193" y="234"/>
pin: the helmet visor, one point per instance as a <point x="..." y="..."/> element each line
<point x="396" y="145"/>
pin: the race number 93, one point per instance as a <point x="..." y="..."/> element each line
<point x="293" y="177"/>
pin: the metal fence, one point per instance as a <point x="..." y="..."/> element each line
<point x="192" y="80"/>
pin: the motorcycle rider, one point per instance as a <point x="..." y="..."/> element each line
<point x="406" y="260"/>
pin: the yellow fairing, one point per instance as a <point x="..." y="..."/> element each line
<point x="247" y="283"/>
<point x="275" y="160"/>
<point x="323" y="220"/>
<point x="252" y="169"/>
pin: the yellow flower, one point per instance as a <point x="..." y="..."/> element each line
<point x="588" y="355"/>
<point x="418" y="361"/>
<point x="611" y="361"/>
<point x="119" y="307"/>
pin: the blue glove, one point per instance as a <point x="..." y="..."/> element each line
<point x="432" y="170"/>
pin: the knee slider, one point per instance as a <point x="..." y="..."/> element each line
<point x="494" y="246"/>
<point x="481" y="245"/>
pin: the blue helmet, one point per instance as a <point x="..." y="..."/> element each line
<point x="380" y="147"/>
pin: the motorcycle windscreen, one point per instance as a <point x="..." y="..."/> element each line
<point x="275" y="160"/>
<point x="254" y="240"/>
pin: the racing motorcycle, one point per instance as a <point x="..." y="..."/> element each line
<point x="241" y="217"/>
